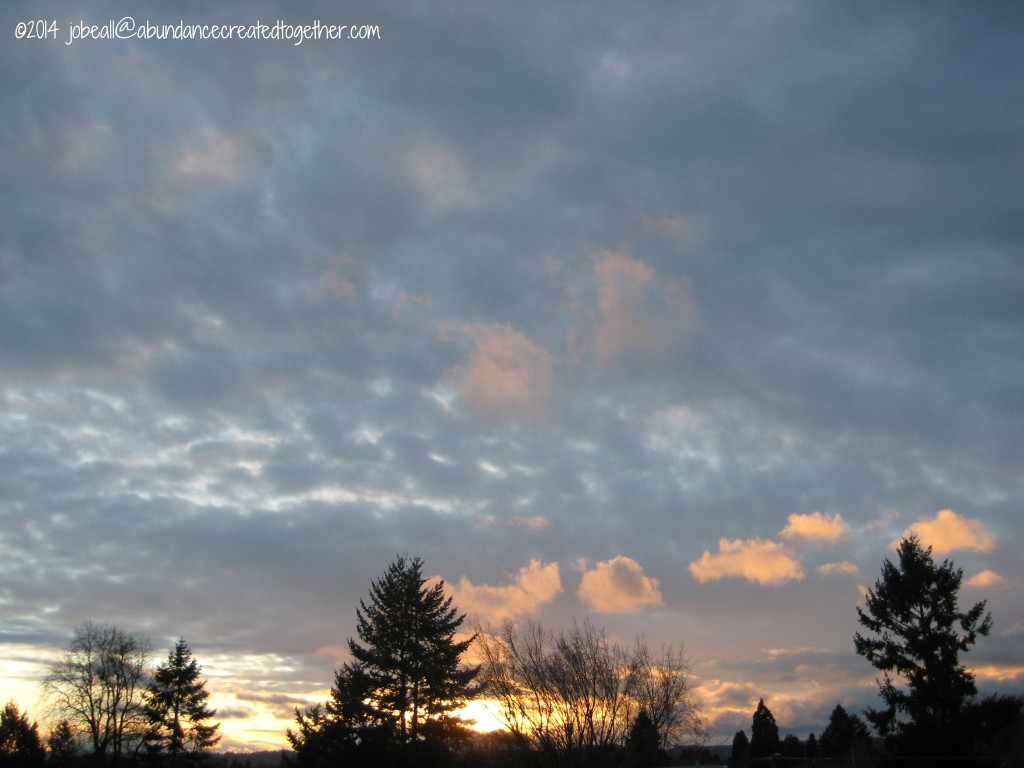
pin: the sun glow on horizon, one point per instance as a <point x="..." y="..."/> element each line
<point x="485" y="714"/>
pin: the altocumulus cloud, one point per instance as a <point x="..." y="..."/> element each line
<point x="759" y="560"/>
<point x="618" y="586"/>
<point x="813" y="527"/>
<point x="986" y="578"/>
<point x="533" y="586"/>
<point x="948" y="531"/>
<point x="838" y="569"/>
<point x="638" y="314"/>
<point x="507" y="375"/>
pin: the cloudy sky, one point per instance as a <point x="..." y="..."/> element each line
<point x="673" y="317"/>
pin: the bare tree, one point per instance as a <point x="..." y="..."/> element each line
<point x="571" y="698"/>
<point x="98" y="687"/>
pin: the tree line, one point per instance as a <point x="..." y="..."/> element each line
<point x="108" y="707"/>
<point x="568" y="699"/>
<point x="932" y="714"/>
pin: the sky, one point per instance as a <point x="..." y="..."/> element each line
<point x="670" y="317"/>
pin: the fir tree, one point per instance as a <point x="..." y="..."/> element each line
<point x="409" y="653"/>
<point x="20" y="744"/>
<point x="917" y="634"/>
<point x="62" y="743"/>
<point x="764" y="733"/>
<point x="176" y="704"/>
<point x="393" y="703"/>
<point x="740" y="750"/>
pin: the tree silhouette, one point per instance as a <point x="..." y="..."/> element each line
<point x="98" y="686"/>
<point x="20" y="744"/>
<point x="176" y="705"/>
<point x="764" y="733"/>
<point x="845" y="737"/>
<point x="919" y="632"/>
<point x="571" y="697"/>
<point x="643" y="745"/>
<point x="397" y="696"/>
<point x="740" y="754"/>
<point x="62" y="743"/>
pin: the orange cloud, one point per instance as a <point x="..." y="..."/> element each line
<point x="1002" y="673"/>
<point x="507" y="375"/>
<point x="838" y="569"/>
<point x="533" y="586"/>
<point x="813" y="527"/>
<point x="618" y="586"/>
<point x="985" y="579"/>
<point x="949" y="531"/>
<point x="757" y="560"/>
<point x="638" y="315"/>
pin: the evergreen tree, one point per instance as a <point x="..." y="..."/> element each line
<point x="811" y="749"/>
<point x="20" y="744"/>
<point x="740" y="750"/>
<point x="397" y="696"/>
<point x="764" y="733"/>
<point x="62" y="743"/>
<point x="643" y="744"/>
<point x="176" y="705"/>
<point x="845" y="737"/>
<point x="919" y="633"/>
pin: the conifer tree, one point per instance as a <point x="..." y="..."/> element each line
<point x="176" y="704"/>
<point x="408" y="649"/>
<point x="393" y="704"/>
<point x="740" y="750"/>
<point x="845" y="736"/>
<point x="20" y="744"/>
<point x="917" y="635"/>
<point x="764" y="733"/>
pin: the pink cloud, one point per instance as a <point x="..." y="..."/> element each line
<point x="948" y="531"/>
<point x="838" y="569"/>
<point x="618" y="586"/>
<point x="638" y="314"/>
<point x="985" y="579"/>
<point x="758" y="560"/>
<point x="531" y="522"/>
<point x="531" y="587"/>
<point x="507" y="374"/>
<point x="814" y="527"/>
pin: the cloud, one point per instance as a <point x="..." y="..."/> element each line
<point x="838" y="569"/>
<point x="638" y="314"/>
<point x="948" y="531"/>
<point x="212" y="156"/>
<point x="758" y="560"/>
<point x="985" y="578"/>
<point x="531" y="522"/>
<point x="618" y="586"/>
<point x="507" y="374"/>
<point x="814" y="527"/>
<point x="533" y="586"/>
<point x="442" y="179"/>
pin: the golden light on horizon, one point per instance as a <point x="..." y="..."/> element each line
<point x="485" y="714"/>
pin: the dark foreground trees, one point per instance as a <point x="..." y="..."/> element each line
<point x="20" y="743"/>
<point x="764" y="733"/>
<point x="176" y="706"/>
<point x="917" y="633"/>
<point x="845" y="738"/>
<point x="394" y="703"/>
<point x="98" y="686"/>
<point x="574" y="698"/>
